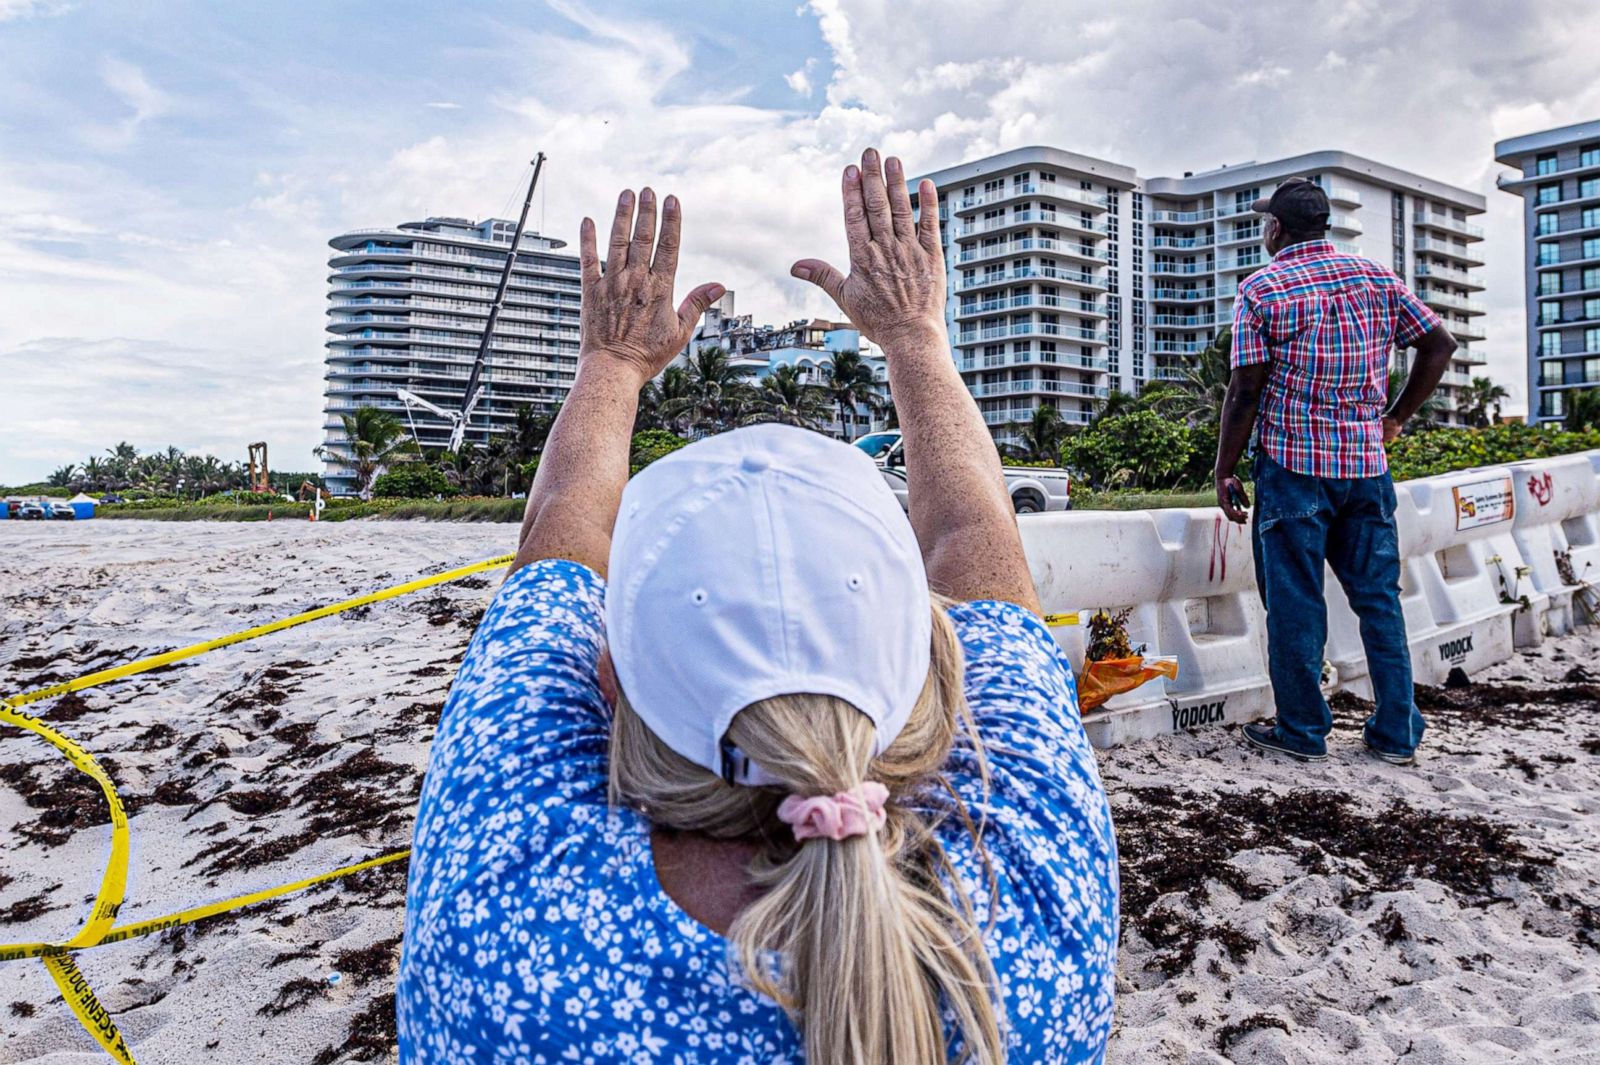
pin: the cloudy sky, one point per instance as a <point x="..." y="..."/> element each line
<point x="170" y="170"/>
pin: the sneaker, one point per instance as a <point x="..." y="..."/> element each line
<point x="1265" y="736"/>
<point x="1392" y="759"/>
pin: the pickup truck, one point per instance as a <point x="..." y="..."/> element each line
<point x="1033" y="489"/>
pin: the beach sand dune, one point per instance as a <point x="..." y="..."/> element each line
<point x="1273" y="912"/>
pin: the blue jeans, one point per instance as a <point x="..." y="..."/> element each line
<point x="1300" y="522"/>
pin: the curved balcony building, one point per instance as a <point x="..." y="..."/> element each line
<point x="407" y="308"/>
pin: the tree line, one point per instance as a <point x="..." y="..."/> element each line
<point x="706" y="394"/>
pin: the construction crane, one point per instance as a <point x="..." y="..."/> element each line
<point x="475" y="389"/>
<point x="457" y="419"/>
<point x="259" y="480"/>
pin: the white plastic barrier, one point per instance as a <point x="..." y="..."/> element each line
<point x="1557" y="532"/>
<point x="1456" y="555"/>
<point x="1479" y="576"/>
<point x="1189" y="579"/>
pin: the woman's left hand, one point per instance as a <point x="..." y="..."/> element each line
<point x="628" y="317"/>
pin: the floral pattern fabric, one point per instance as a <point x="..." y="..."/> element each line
<point x="536" y="930"/>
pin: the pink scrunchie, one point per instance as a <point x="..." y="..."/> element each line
<point x="836" y="817"/>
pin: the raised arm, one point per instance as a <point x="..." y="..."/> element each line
<point x="630" y="331"/>
<point x="895" y="295"/>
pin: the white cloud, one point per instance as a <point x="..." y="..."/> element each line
<point x="800" y="80"/>
<point x="443" y="105"/>
<point x="134" y="91"/>
<point x="21" y="9"/>
<point x="1263" y="75"/>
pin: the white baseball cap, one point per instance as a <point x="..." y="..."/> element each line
<point x="761" y="562"/>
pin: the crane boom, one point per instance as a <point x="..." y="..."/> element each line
<point x="473" y="393"/>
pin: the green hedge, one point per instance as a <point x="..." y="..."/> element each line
<point x="1436" y="451"/>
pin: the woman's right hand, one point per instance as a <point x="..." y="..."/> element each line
<point x="896" y="286"/>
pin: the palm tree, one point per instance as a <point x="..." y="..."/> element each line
<point x="717" y="394"/>
<point x="672" y="384"/>
<point x="1583" y="409"/>
<point x="785" y="397"/>
<point x="1197" y="395"/>
<point x="1042" y="436"/>
<point x="1484" y="396"/>
<point x="62" y="476"/>
<point x="374" y="439"/>
<point x="1432" y="412"/>
<point x="1115" y="402"/>
<point x="849" y="383"/>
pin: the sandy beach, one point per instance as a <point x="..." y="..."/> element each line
<point x="1273" y="912"/>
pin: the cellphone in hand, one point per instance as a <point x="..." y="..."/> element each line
<point x="1237" y="497"/>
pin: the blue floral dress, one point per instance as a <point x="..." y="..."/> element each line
<point x="536" y="930"/>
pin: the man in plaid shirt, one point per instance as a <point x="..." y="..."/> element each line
<point x="1313" y="335"/>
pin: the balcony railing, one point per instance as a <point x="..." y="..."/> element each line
<point x="1341" y="194"/>
<point x="1344" y="223"/>
<point x="1047" y="189"/>
<point x="1182" y="295"/>
<point x="1178" y="321"/>
<point x="1178" y="347"/>
<point x="1022" y="218"/>
<point x="1032" y="244"/>
<point x="1441" y="272"/>
<point x="1242" y="262"/>
<point x="1181" y="268"/>
<point x="1031" y="273"/>
<point x="1021" y="415"/>
<point x="1450" y="299"/>
<point x="1009" y="303"/>
<point x="976" y="363"/>
<point x="1434" y="220"/>
<point x="1029" y="385"/>
<point x="1204" y="241"/>
<point x="1181" y="218"/>
<point x="1026" y="329"/>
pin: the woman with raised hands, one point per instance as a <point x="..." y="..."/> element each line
<point x="742" y="765"/>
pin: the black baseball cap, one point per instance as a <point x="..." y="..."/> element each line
<point x="1299" y="204"/>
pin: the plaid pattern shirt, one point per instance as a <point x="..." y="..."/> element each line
<point x="1327" y="322"/>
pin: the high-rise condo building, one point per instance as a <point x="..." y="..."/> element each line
<point x="1558" y="178"/>
<point x="407" y="308"/>
<point x="1070" y="276"/>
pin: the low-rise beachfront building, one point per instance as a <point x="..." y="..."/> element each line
<point x="1558" y="178"/>
<point x="808" y="344"/>
<point x="1070" y="276"/>
<point x="407" y="307"/>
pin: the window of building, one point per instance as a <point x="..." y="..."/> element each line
<point x="1590" y="187"/>
<point x="1549" y="254"/>
<point x="1550" y="373"/>
<point x="1548" y="225"/>
<point x="1397" y="231"/>
<point x="1589" y="155"/>
<point x="1138" y="206"/>
<point x="1046" y="175"/>
<point x="1551" y="405"/>
<point x="1549" y="313"/>
<point x="1550" y="284"/>
<point x="1549" y="344"/>
<point x="1590" y="371"/>
<point x="1591" y="248"/>
<point x="1591" y="277"/>
<point x="1546" y="164"/>
<point x="1590" y="219"/>
<point x="1548" y="194"/>
<point x="1591" y="308"/>
<point x="1591" y="340"/>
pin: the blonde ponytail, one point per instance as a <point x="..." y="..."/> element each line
<point x="855" y="938"/>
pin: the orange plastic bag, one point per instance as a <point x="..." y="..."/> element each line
<point x="1101" y="680"/>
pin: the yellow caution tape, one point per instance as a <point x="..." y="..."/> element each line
<point x="99" y="929"/>
<point x="1055" y="621"/>
<point x="144" y="665"/>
